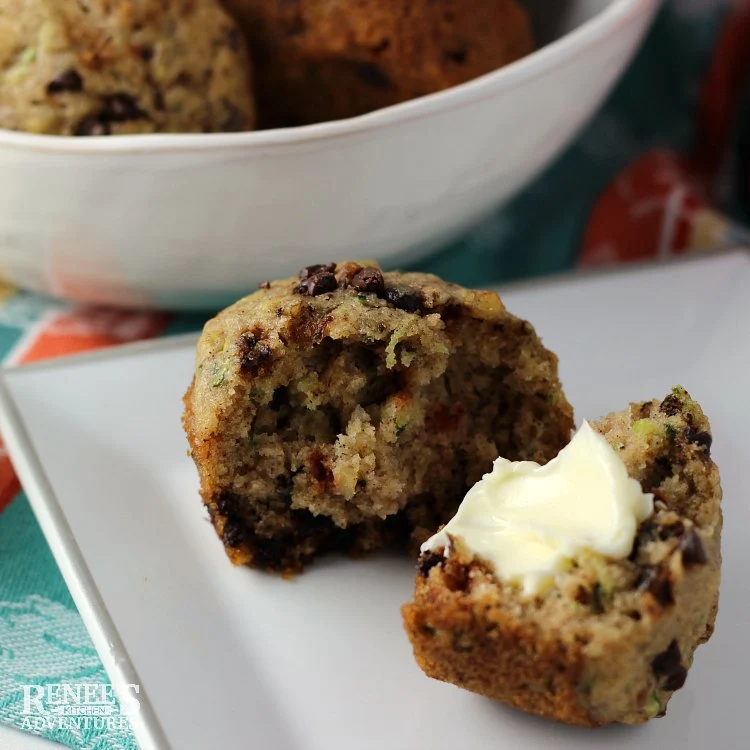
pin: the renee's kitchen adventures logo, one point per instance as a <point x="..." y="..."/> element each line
<point x="82" y="706"/>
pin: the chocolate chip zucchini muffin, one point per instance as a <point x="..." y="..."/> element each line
<point x="611" y="639"/>
<point x="95" y="67"/>
<point x="350" y="408"/>
<point x="318" y="60"/>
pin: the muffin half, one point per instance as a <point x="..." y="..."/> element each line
<point x="350" y="408"/>
<point x="613" y="638"/>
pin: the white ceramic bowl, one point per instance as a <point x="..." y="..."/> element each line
<point x="188" y="221"/>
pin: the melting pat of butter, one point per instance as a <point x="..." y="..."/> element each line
<point x="530" y="521"/>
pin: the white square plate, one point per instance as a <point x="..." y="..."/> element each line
<point x="231" y="658"/>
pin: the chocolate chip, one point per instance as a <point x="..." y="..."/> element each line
<point x="667" y="661"/>
<point x="404" y="300"/>
<point x="247" y="342"/>
<point x="692" y="549"/>
<point x="320" y="283"/>
<point x="234" y="533"/>
<point x="253" y="353"/>
<point x="226" y="504"/>
<point x="669" y="664"/>
<point x="368" y="280"/>
<point x="670" y="530"/>
<point x="457" y="56"/>
<point x="449" y="313"/>
<point x="373" y="75"/>
<point x="583" y="595"/>
<point x="121" y="108"/>
<point x="295" y="27"/>
<point x="234" y="39"/>
<point x="427" y="561"/>
<point x="68" y="80"/>
<point x="676" y="680"/>
<point x="145" y="53"/>
<point x="93" y="125"/>
<point x="671" y="405"/>
<point x="700" y="438"/>
<point x="647" y="532"/>
<point x="264" y="285"/>
<point x="656" y="581"/>
<point x="308" y="271"/>
<point x="257" y="358"/>
<point x="235" y="121"/>
<point x="659" y="471"/>
<point x="381" y="46"/>
<point x="645" y="411"/>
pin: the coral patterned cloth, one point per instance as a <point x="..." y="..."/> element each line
<point x="663" y="169"/>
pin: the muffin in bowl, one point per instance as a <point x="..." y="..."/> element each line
<point x="320" y="60"/>
<point x="141" y="66"/>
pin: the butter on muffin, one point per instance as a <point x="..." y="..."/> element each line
<point x="509" y="608"/>
<point x="318" y="60"/>
<point x="350" y="408"/>
<point x="95" y="67"/>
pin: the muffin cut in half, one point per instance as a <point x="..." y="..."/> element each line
<point x="613" y="639"/>
<point x="350" y="408"/>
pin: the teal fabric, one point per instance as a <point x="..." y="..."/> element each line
<point x="25" y="559"/>
<point x="654" y="105"/>
<point x="42" y="638"/>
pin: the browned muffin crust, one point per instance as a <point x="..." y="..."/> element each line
<point x="320" y="60"/>
<point x="614" y="639"/>
<point x="350" y="408"/>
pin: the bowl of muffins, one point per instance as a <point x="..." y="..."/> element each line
<point x="173" y="154"/>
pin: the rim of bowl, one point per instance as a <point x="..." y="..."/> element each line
<point x="590" y="33"/>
